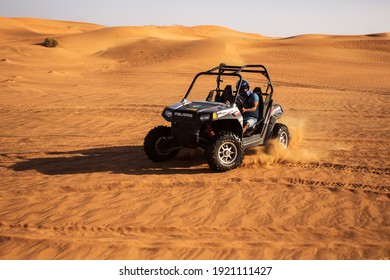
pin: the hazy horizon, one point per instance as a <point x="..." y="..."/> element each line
<point x="279" y="18"/>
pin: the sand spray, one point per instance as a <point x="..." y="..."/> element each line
<point x="273" y="152"/>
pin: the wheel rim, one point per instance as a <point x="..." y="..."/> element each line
<point x="283" y="139"/>
<point x="227" y="153"/>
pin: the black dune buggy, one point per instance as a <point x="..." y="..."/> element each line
<point x="204" y="119"/>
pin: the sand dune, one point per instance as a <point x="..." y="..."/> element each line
<point x="43" y="26"/>
<point x="75" y="183"/>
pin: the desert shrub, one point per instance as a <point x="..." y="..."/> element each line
<point x="50" y="43"/>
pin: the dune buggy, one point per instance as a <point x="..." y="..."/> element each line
<point x="204" y="119"/>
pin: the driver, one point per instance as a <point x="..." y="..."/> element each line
<point x="250" y="102"/>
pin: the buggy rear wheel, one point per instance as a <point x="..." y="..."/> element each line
<point x="282" y="134"/>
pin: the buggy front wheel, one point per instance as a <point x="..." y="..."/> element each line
<point x="154" y="144"/>
<point x="225" y="153"/>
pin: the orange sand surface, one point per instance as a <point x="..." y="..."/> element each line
<point x="75" y="183"/>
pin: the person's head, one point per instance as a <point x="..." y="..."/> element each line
<point x="244" y="86"/>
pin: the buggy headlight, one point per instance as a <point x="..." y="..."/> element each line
<point x="204" y="117"/>
<point x="168" y="114"/>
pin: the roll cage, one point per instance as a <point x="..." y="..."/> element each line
<point x="230" y="70"/>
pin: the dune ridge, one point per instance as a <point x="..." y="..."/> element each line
<point x="75" y="183"/>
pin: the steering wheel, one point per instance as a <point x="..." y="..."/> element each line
<point x="239" y="104"/>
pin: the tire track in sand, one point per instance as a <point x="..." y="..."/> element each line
<point x="210" y="236"/>
<point x="340" y="167"/>
<point x="336" y="186"/>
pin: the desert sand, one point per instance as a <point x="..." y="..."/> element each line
<point x="75" y="183"/>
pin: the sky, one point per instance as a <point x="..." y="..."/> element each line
<point x="276" y="18"/>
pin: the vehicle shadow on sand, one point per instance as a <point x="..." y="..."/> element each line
<point x="117" y="160"/>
